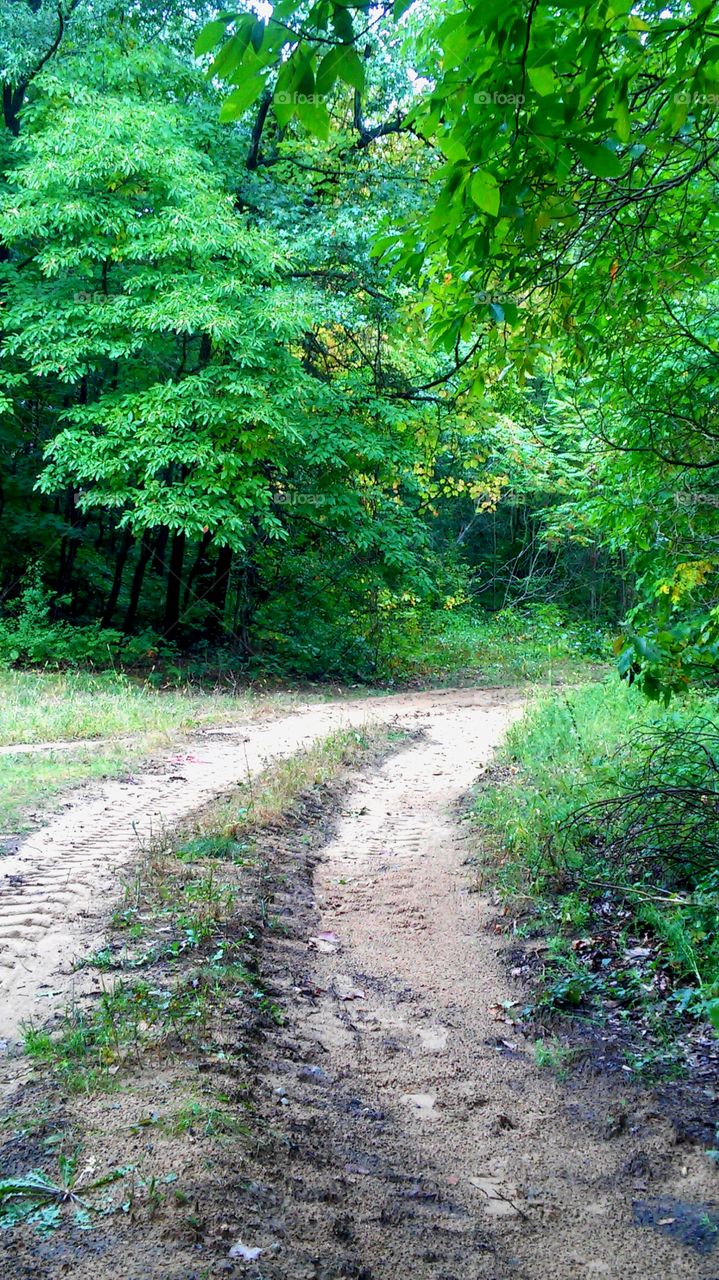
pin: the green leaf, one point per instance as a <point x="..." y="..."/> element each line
<point x="315" y="117"/>
<point x="599" y="160"/>
<point x="328" y="69"/>
<point x="257" y="34"/>
<point x="542" y="79"/>
<point x="342" y="23"/>
<point x="241" y="98"/>
<point x="712" y="1008"/>
<point x="208" y="37"/>
<point x="351" y="69"/>
<point x="623" y="123"/>
<point x="484" y="190"/>
<point x="232" y="53"/>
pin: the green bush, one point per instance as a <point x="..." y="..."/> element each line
<point x="29" y="636"/>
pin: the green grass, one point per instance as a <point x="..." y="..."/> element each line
<point x="619" y="930"/>
<point x="30" y="783"/>
<point x="538" y="643"/>
<point x="129" y="1020"/>
<point x="552" y="1055"/>
<point x="212" y="1121"/>
<point x="129" y="720"/>
<point x="566" y="752"/>
<point x="60" y="706"/>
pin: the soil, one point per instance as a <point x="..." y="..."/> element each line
<point x="55" y="889"/>
<point x="398" y="1122"/>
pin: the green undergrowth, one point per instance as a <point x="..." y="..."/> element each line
<point x="537" y="643"/>
<point x="71" y="695"/>
<point x="599" y="826"/>
<point x="181" y="958"/>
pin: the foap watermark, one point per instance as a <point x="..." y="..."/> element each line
<point x="686" y="499"/>
<point x="286" y="99"/>
<point x="688" y="97"/>
<point x="300" y="499"/>
<point x="497" y="298"/>
<point x="83" y="296"/>
<point x="499" y="98"/>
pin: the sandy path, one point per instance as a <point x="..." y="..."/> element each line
<point x="435" y="1147"/>
<point x="57" y="889"/>
<point x="416" y="1135"/>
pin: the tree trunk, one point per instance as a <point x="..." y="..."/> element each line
<point x="68" y="551"/>
<point x="174" y="587"/>
<point x="137" y="580"/>
<point x="217" y="595"/>
<point x="111" y="605"/>
<point x="158" y="552"/>
<point x="200" y="560"/>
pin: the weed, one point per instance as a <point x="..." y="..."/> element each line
<point x="222" y="848"/>
<point x="630" y="915"/>
<point x="554" y="1056"/>
<point x="212" y="1121"/>
<point x="36" y="1199"/>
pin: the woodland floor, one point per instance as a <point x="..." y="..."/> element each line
<point x="396" y="1122"/>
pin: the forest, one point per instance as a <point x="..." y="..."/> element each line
<point x="360" y="354"/>
<point x="293" y="370"/>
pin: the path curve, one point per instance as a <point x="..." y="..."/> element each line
<point x="424" y="1136"/>
<point x="57" y="889"/>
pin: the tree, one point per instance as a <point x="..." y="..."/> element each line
<point x="216" y="373"/>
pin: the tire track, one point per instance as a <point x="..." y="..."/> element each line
<point x="57" y="889"/>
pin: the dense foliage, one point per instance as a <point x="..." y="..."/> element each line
<point x="567" y="243"/>
<point x="323" y="318"/>
<point x="224" y="425"/>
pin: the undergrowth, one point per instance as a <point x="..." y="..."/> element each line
<point x="600" y="828"/>
<point x="535" y="643"/>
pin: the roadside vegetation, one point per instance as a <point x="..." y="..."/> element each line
<point x="49" y="706"/>
<point x="599" y="826"/>
<point x="129" y="718"/>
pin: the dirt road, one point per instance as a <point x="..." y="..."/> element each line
<point x="417" y="1135"/>
<point x="459" y="1159"/>
<point x="55" y="891"/>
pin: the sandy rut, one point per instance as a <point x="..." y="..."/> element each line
<point x="55" y="890"/>
<point x="419" y="1137"/>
